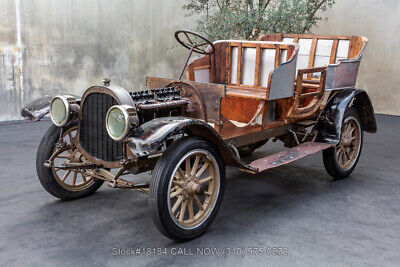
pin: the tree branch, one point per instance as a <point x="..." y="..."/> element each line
<point x="219" y="5"/>
<point x="266" y="4"/>
<point x="308" y="24"/>
<point x="317" y="8"/>
<point x="250" y="3"/>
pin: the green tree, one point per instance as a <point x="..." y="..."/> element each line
<point x="249" y="19"/>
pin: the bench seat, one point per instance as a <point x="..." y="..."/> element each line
<point x="288" y="73"/>
<point x="246" y="92"/>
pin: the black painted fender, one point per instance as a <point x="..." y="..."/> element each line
<point x="37" y="109"/>
<point x="329" y="124"/>
<point x="150" y="136"/>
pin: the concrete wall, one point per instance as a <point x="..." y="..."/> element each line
<point x="379" y="20"/>
<point x="68" y="45"/>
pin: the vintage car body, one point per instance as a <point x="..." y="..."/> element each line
<point x="299" y="89"/>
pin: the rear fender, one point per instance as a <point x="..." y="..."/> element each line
<point x="151" y="138"/>
<point x="37" y="109"/>
<point x="329" y="124"/>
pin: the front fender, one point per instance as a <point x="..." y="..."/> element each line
<point x="329" y="124"/>
<point x="37" y="109"/>
<point x="152" y="135"/>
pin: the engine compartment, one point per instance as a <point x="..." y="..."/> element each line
<point x="158" y="102"/>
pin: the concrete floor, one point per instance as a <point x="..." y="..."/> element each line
<point x="355" y="221"/>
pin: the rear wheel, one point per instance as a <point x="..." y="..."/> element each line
<point x="64" y="184"/>
<point x="341" y="160"/>
<point x="186" y="189"/>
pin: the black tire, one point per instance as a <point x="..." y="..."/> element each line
<point x="46" y="176"/>
<point x="329" y="155"/>
<point x="247" y="150"/>
<point x="159" y="189"/>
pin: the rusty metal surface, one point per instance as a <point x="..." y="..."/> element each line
<point x="161" y="105"/>
<point x="151" y="137"/>
<point x="205" y="97"/>
<point x="288" y="155"/>
<point x="259" y="135"/>
<point x="37" y="109"/>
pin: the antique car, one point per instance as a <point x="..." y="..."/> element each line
<point x="298" y="89"/>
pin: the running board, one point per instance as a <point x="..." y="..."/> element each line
<point x="287" y="156"/>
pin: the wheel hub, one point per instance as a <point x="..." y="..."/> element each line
<point x="190" y="188"/>
<point x="346" y="140"/>
<point x="76" y="156"/>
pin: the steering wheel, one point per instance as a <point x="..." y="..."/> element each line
<point x="195" y="42"/>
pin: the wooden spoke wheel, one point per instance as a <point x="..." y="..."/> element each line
<point x="193" y="188"/>
<point x="74" y="180"/>
<point x="61" y="183"/>
<point x="341" y="160"/>
<point x="187" y="188"/>
<point x="348" y="149"/>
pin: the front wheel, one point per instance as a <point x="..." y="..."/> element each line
<point x="187" y="189"/>
<point x="341" y="160"/>
<point x="61" y="183"/>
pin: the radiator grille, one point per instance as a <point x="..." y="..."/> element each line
<point x="93" y="135"/>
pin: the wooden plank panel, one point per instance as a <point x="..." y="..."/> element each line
<point x="218" y="62"/>
<point x="242" y="86"/>
<point x="355" y="47"/>
<point x="257" y="70"/>
<point x="239" y="65"/>
<point x="271" y="37"/>
<point x="246" y="93"/>
<point x="228" y="64"/>
<point x="277" y="55"/>
<point x="213" y="69"/>
<point x="289" y="53"/>
<point x="263" y="45"/>
<point x="239" y="109"/>
<point x="332" y="59"/>
<point x="312" y="36"/>
<point x="351" y="43"/>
